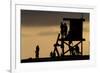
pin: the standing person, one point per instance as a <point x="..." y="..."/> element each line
<point x="77" y="50"/>
<point x="65" y="29"/>
<point x="37" y="51"/>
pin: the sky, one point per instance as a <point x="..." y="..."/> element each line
<point x="42" y="28"/>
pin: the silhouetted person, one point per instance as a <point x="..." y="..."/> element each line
<point x="37" y="51"/>
<point x="77" y="49"/>
<point x="54" y="54"/>
<point x="65" y="29"/>
<point x="51" y="54"/>
<point x="61" y="27"/>
<point x="72" y="51"/>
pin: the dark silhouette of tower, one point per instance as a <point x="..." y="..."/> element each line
<point x="75" y="33"/>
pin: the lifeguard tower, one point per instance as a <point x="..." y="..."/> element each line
<point x="74" y="34"/>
